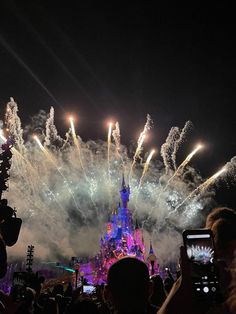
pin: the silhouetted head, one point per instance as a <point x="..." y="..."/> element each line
<point x="222" y="222"/>
<point x="29" y="295"/>
<point x="128" y="285"/>
<point x="219" y="213"/>
<point x="83" y="307"/>
<point x="58" y="289"/>
<point x="159" y="294"/>
<point x="51" y="306"/>
<point x="168" y="283"/>
<point x="4" y="202"/>
<point x="224" y="232"/>
<point x="157" y="283"/>
<point x="6" y="211"/>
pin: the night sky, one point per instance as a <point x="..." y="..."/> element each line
<point x="122" y="62"/>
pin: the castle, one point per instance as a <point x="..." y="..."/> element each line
<point x="123" y="237"/>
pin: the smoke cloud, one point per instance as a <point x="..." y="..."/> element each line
<point x="65" y="206"/>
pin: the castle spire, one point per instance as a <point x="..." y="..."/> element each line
<point x="123" y="185"/>
<point x="124" y="192"/>
<point x="151" y="251"/>
<point x="152" y="260"/>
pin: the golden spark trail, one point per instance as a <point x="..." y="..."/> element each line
<point x="183" y="165"/>
<point x="141" y="138"/>
<point x="48" y="155"/>
<point x="76" y="142"/>
<point x="72" y="128"/>
<point x="201" y="188"/>
<point x="146" y="166"/>
<point x="5" y="140"/>
<point x="17" y="153"/>
<point x="145" y="169"/>
<point x="108" y="161"/>
<point x="137" y="152"/>
<point x="51" y="159"/>
<point x="14" y="150"/>
<point x="209" y="181"/>
<point x="109" y="147"/>
<point x="116" y="137"/>
<point x="39" y="143"/>
<point x="2" y="136"/>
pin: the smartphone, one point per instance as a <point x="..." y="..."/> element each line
<point x="89" y="289"/>
<point x="200" y="249"/>
<point x="18" y="286"/>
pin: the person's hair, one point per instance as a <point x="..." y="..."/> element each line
<point x="128" y="283"/>
<point x="4" y="202"/>
<point x="168" y="284"/>
<point x="51" y="307"/>
<point x="158" y="295"/>
<point x="219" y="213"/>
<point x="58" y="289"/>
<point x="222" y="222"/>
<point x="231" y="300"/>
<point x="26" y="306"/>
<point x="224" y="231"/>
<point x="83" y="307"/>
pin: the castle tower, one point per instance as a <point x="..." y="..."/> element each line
<point x="138" y="237"/>
<point x="124" y="193"/>
<point x="152" y="261"/>
<point x="137" y="233"/>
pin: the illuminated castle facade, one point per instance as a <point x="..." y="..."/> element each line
<point x="123" y="237"/>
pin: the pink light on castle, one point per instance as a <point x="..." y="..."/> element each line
<point x="123" y="237"/>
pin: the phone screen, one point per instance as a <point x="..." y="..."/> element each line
<point x="18" y="286"/>
<point x="89" y="289"/>
<point x="200" y="250"/>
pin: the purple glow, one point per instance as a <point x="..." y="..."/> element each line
<point x="122" y="238"/>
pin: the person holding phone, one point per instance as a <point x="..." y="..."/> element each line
<point x="222" y="222"/>
<point x="181" y="298"/>
<point x="200" y="249"/>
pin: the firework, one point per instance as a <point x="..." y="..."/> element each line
<point x="77" y="145"/>
<point x="200" y="254"/>
<point x="109" y="146"/>
<point x="203" y="187"/>
<point x="146" y="166"/>
<point x="183" y="165"/>
<point x="53" y="161"/>
<point x="64" y="209"/>
<point x="141" y="139"/>
<point x="37" y="140"/>
<point x="72" y="128"/>
<point x="136" y="154"/>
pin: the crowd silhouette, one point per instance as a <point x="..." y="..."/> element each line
<point x="130" y="288"/>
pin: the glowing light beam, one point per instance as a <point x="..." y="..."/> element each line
<point x="181" y="167"/>
<point x="203" y="187"/>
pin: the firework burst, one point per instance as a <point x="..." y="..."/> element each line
<point x="65" y="188"/>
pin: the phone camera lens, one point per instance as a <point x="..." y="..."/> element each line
<point x="206" y="289"/>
